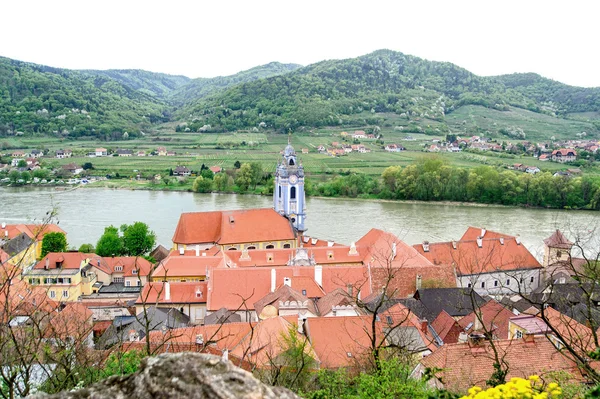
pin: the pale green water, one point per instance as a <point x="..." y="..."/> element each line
<point x="84" y="213"/>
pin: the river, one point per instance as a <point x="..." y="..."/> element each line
<point x="83" y="213"/>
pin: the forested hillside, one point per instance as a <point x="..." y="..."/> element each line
<point x="384" y="88"/>
<point x="41" y="99"/>
<point x="338" y="92"/>
<point x="160" y="85"/>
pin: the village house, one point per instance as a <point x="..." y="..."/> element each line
<point x="532" y="170"/>
<point x="18" y="154"/>
<point x="394" y="148"/>
<point x="72" y="168"/>
<point x="490" y="262"/>
<point x="189" y="298"/>
<point x="161" y="151"/>
<point x="181" y="171"/>
<point x="36" y="153"/>
<point x="141" y="153"/>
<point x="61" y="154"/>
<point x="171" y="153"/>
<point x="18" y="251"/>
<point x="359" y="134"/>
<point x="124" y="153"/>
<point x="564" y="155"/>
<point x="34" y="231"/>
<point x="186" y="266"/>
<point x="101" y="152"/>
<point x="216" y="169"/>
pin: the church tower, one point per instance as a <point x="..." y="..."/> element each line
<point x="288" y="196"/>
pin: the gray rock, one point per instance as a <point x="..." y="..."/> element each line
<point x="180" y="375"/>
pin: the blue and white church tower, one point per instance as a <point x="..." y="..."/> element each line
<point x="288" y="197"/>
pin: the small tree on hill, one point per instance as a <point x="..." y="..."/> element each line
<point x="54" y="242"/>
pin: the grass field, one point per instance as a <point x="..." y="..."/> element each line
<point x="224" y="149"/>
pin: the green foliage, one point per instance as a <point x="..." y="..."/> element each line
<point x="86" y="248"/>
<point x="22" y="163"/>
<point x="392" y="381"/>
<point x="202" y="185"/>
<point x="244" y="177"/>
<point x="122" y="363"/>
<point x="110" y="243"/>
<point x="54" y="242"/>
<point x="138" y="239"/>
<point x="87" y="166"/>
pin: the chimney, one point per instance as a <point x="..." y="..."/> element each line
<point x="181" y="251"/>
<point x="423" y="324"/>
<point x="319" y="275"/>
<point x="197" y="250"/>
<point x="453" y="244"/>
<point x="133" y="336"/>
<point x="462" y="337"/>
<point x="479" y="242"/>
<point x="483" y="231"/>
<point x="167" y="288"/>
<point x="330" y="243"/>
<point x="350" y="289"/>
<point x="3" y="225"/>
<point x="529" y="337"/>
<point x="300" y="324"/>
<point x="225" y="355"/>
<point x="199" y="339"/>
<point x="518" y="240"/>
<point x="313" y="241"/>
<point x="393" y="250"/>
<point x="6" y="233"/>
<point x="425" y="246"/>
<point x="203" y="253"/>
<point x="287" y="281"/>
<point x="477" y="324"/>
<point x="273" y="279"/>
<point x="245" y="255"/>
<point x="353" y="250"/>
<point x="419" y="281"/>
<point x="501" y="240"/>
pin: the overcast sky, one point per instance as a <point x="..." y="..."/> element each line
<point x="205" y="38"/>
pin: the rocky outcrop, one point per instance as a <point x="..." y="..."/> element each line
<point x="180" y="375"/>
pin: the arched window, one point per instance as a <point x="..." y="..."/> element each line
<point x="293" y="193"/>
<point x="232" y="249"/>
<point x="291" y="161"/>
<point x="251" y="247"/>
<point x="287" y="246"/>
<point x="270" y="246"/>
<point x="279" y="191"/>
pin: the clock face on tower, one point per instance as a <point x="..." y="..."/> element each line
<point x="293" y="179"/>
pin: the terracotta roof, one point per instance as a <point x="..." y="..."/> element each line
<point x="284" y="294"/>
<point x="229" y="286"/>
<point x="336" y="297"/>
<point x="281" y="257"/>
<point x="400" y="315"/>
<point x="74" y="320"/>
<point x="187" y="266"/>
<point x="564" y="152"/>
<point x="558" y="240"/>
<point x="181" y="293"/>
<point x="446" y="327"/>
<point x="34" y="231"/>
<point x="578" y="335"/>
<point x="308" y="284"/>
<point x="215" y="169"/>
<point x="233" y="227"/>
<point x="503" y="253"/>
<point x="463" y="365"/>
<point x="70" y="260"/>
<point x="473" y="233"/>
<point x="340" y="341"/>
<point x="495" y="318"/>
<point x="127" y="263"/>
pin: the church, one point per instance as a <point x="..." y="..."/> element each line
<point x="276" y="228"/>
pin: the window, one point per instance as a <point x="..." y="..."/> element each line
<point x="198" y="294"/>
<point x="389" y="320"/>
<point x="293" y="193"/>
<point x="304" y="292"/>
<point x="279" y="191"/>
<point x="65" y="293"/>
<point x="469" y="285"/>
<point x="292" y="162"/>
<point x="270" y="246"/>
<point x="118" y="268"/>
<point x="134" y="271"/>
<point x="232" y="249"/>
<point x="495" y="283"/>
<point x="531" y="280"/>
<point x="287" y="246"/>
<point x="483" y="284"/>
<point x="519" y="334"/>
<point x="128" y="283"/>
<point x="251" y="247"/>
<point x="508" y="282"/>
<point x="139" y="283"/>
<point x="118" y="279"/>
<point x="52" y="294"/>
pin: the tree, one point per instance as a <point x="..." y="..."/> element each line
<point x="237" y="164"/>
<point x="86" y="248"/>
<point x="87" y="166"/>
<point x="138" y="239"/>
<point x="243" y="177"/>
<point x="221" y="180"/>
<point x="14" y="176"/>
<point x="22" y="163"/>
<point x="54" y="242"/>
<point x="202" y="185"/>
<point x="256" y="173"/>
<point x="110" y="243"/>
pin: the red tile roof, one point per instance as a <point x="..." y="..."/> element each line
<point x="463" y="365"/>
<point x="503" y="253"/>
<point x="558" y="240"/>
<point x="473" y="233"/>
<point x="284" y="294"/>
<point x="187" y="266"/>
<point x="495" y="318"/>
<point x="340" y="341"/>
<point x="446" y="327"/>
<point x="233" y="227"/>
<point x="281" y="257"/>
<point x="308" y="284"/>
<point x="70" y="260"/>
<point x="32" y="230"/>
<point x="181" y="293"/>
<point x="337" y="297"/>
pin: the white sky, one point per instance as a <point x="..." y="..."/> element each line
<point x="205" y="38"/>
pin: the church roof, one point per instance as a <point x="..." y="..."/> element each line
<point x="233" y="227"/>
<point x="558" y="240"/>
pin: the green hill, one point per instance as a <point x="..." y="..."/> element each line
<point x="160" y="85"/>
<point x="339" y="92"/>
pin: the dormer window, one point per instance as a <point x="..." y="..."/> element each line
<point x="198" y="294"/>
<point x="118" y="268"/>
<point x="134" y="271"/>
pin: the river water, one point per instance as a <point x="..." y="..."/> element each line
<point x="83" y="213"/>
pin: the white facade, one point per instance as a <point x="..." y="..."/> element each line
<point x="502" y="282"/>
<point x="288" y="195"/>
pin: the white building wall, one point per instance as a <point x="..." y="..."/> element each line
<point x="502" y="282"/>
